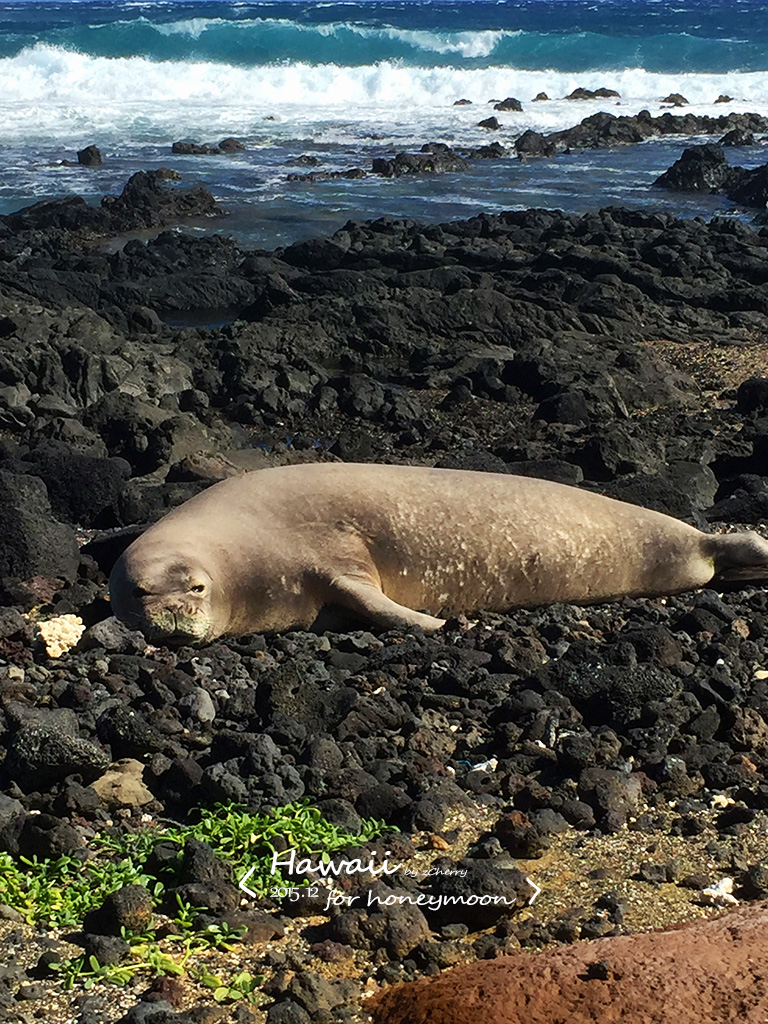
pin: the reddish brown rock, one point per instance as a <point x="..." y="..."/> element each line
<point x="703" y="971"/>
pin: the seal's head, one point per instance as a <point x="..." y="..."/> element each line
<point x="171" y="599"/>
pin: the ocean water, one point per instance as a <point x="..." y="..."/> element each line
<point x="345" y="82"/>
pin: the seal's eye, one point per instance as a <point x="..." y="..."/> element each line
<point x="197" y="588"/>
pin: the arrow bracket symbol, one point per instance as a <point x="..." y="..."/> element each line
<point x="531" y="883"/>
<point x="245" y="878"/>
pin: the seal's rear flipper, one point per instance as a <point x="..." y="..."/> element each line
<point x="742" y="574"/>
<point x="739" y="558"/>
<point x="366" y="600"/>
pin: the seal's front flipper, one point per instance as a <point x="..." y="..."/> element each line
<point x="366" y="600"/>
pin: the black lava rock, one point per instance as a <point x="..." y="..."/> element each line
<point x="38" y="756"/>
<point x="12" y="815"/>
<point x="90" y="157"/>
<point x="32" y="543"/>
<point x="699" y="169"/>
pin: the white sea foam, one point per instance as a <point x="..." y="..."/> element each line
<point x="464" y="44"/>
<point x="48" y="90"/>
<point x="192" y="27"/>
<point x="467" y="44"/>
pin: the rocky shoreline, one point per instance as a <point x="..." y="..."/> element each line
<point x="537" y="343"/>
<point x="603" y="130"/>
<point x="706" y="169"/>
<point x="597" y="131"/>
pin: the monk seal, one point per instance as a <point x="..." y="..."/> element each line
<point x="401" y="546"/>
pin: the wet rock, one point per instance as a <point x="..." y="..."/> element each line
<point x="434" y="159"/>
<point x="90" y="157"/>
<point x="602" y="93"/>
<point x="676" y="99"/>
<point x="737" y="137"/>
<point x="699" y="169"/>
<point x="71" y="214"/>
<point x="493" y="151"/>
<point x="532" y="143"/>
<point x="603" y="130"/>
<point x="510" y="103"/>
<point x="491" y="123"/>
<point x="147" y="200"/>
<point x="705" y="169"/>
<point x="231" y="145"/>
<point x="186" y="148"/>
<point x="751" y="187"/>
